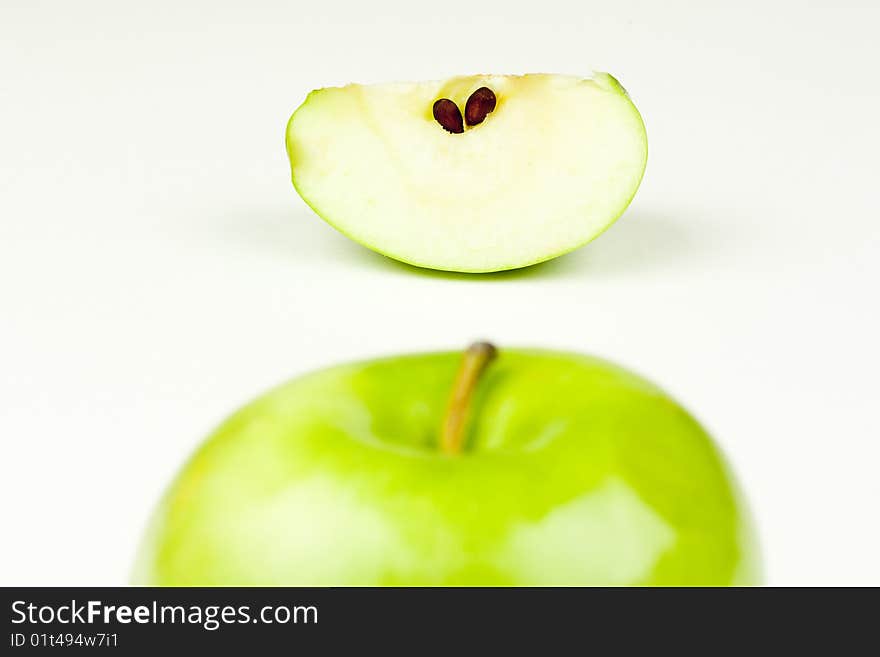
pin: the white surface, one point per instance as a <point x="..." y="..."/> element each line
<point x="157" y="269"/>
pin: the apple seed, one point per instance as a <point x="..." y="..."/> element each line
<point x="480" y="103"/>
<point x="448" y="115"/>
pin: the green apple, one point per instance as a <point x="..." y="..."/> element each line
<point x="544" y="468"/>
<point x="534" y="167"/>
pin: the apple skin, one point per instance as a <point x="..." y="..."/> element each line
<point x="576" y="472"/>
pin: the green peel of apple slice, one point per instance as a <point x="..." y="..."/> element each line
<point x="553" y="165"/>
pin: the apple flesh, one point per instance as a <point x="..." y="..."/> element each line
<point x="552" y="161"/>
<point x="573" y="471"/>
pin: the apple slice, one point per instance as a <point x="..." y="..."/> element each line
<point x="473" y="174"/>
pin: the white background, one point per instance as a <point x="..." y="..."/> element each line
<point x="157" y="269"/>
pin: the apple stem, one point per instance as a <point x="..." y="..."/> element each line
<point x="473" y="364"/>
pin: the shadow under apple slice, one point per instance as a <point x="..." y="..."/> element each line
<point x="640" y="243"/>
